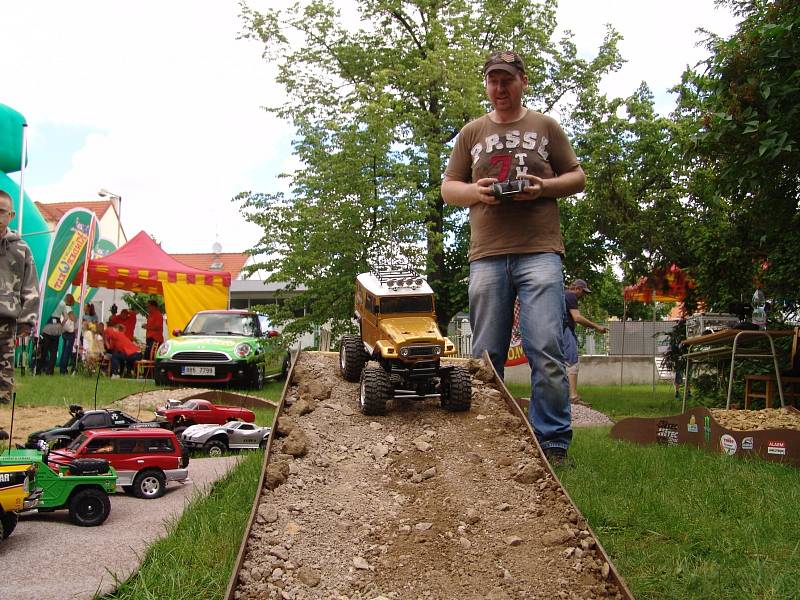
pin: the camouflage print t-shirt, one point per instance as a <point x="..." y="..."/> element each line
<point x="535" y="145"/>
<point x="19" y="285"/>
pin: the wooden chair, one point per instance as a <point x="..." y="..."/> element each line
<point x="789" y="383"/>
<point x="145" y="368"/>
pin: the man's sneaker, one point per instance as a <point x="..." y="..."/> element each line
<point x="114" y="376"/>
<point x="557" y="457"/>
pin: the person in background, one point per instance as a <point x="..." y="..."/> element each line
<point x="89" y="313"/>
<point x="51" y="336"/>
<point x="68" y="324"/>
<point x="154" y="327"/>
<point x="676" y="351"/>
<point x="124" y="353"/>
<point x="516" y="247"/>
<point x="572" y="294"/>
<point x="129" y="322"/>
<point x="90" y="353"/>
<point x="19" y="294"/>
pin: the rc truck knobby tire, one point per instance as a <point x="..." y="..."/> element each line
<point x="8" y="521"/>
<point x="89" y="507"/>
<point x="215" y="448"/>
<point x="457" y="390"/>
<point x="375" y="392"/>
<point x="149" y="484"/>
<point x="352" y="357"/>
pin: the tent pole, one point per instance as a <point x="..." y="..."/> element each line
<point x="86" y="256"/>
<point x="622" y="356"/>
<point x="655" y="371"/>
<point x="21" y="200"/>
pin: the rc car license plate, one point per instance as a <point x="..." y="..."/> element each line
<point x="197" y="371"/>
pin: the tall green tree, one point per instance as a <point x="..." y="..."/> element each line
<point x="744" y="189"/>
<point x="376" y="106"/>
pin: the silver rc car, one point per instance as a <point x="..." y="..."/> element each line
<point x="216" y="439"/>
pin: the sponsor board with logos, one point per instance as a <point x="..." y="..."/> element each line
<point x="697" y="427"/>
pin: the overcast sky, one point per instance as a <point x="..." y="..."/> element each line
<point x="158" y="102"/>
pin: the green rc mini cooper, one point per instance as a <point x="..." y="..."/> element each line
<point x="222" y="347"/>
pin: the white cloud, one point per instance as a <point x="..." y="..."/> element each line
<point x="172" y="99"/>
<point x="659" y="39"/>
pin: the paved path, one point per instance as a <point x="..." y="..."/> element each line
<point x="49" y="558"/>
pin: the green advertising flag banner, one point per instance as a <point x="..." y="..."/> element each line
<point x="64" y="258"/>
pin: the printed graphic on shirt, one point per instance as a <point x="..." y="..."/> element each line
<point x="502" y="163"/>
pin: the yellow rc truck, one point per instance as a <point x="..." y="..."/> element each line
<point x="17" y="494"/>
<point x="396" y="313"/>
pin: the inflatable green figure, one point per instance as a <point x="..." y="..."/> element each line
<point x="34" y="228"/>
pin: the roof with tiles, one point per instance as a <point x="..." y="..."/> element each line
<point x="232" y="262"/>
<point x="52" y="212"/>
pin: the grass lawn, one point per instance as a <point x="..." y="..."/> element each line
<point x="679" y="522"/>
<point x="196" y="559"/>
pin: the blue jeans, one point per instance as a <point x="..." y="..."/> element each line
<point x="494" y="283"/>
<point x="67" y="352"/>
<point x="122" y="364"/>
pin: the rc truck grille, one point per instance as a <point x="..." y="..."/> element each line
<point x="200" y="356"/>
<point x="422" y="350"/>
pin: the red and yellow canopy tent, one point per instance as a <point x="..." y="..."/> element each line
<point x="668" y="284"/>
<point x="662" y="285"/>
<point x="142" y="266"/>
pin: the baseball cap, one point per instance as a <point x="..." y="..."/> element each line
<point x="581" y="285"/>
<point x="505" y="60"/>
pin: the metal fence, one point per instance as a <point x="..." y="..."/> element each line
<point x="635" y="338"/>
<point x="631" y="338"/>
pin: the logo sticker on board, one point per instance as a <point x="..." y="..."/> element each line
<point x="727" y="444"/>
<point x="778" y="448"/>
<point x="692" y="426"/>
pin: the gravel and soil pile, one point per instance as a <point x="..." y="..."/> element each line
<point x="420" y="503"/>
<point x="757" y="420"/>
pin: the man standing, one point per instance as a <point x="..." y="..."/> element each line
<point x="572" y="294"/>
<point x="19" y="294"/>
<point x="154" y="328"/>
<point x="515" y="246"/>
<point x="68" y="324"/>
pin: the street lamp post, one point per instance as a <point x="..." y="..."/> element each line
<point x="103" y="193"/>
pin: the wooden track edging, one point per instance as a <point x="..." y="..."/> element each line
<point x="237" y="565"/>
<point x="517" y="410"/>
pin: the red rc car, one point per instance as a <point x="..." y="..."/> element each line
<point x="145" y="459"/>
<point x="197" y="412"/>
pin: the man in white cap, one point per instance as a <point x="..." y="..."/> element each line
<point x="572" y="294"/>
<point x="515" y="241"/>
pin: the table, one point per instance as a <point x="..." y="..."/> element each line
<point x="733" y="343"/>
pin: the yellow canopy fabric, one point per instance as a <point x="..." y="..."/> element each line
<point x="183" y="300"/>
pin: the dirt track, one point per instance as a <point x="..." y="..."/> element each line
<point x="419" y="503"/>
